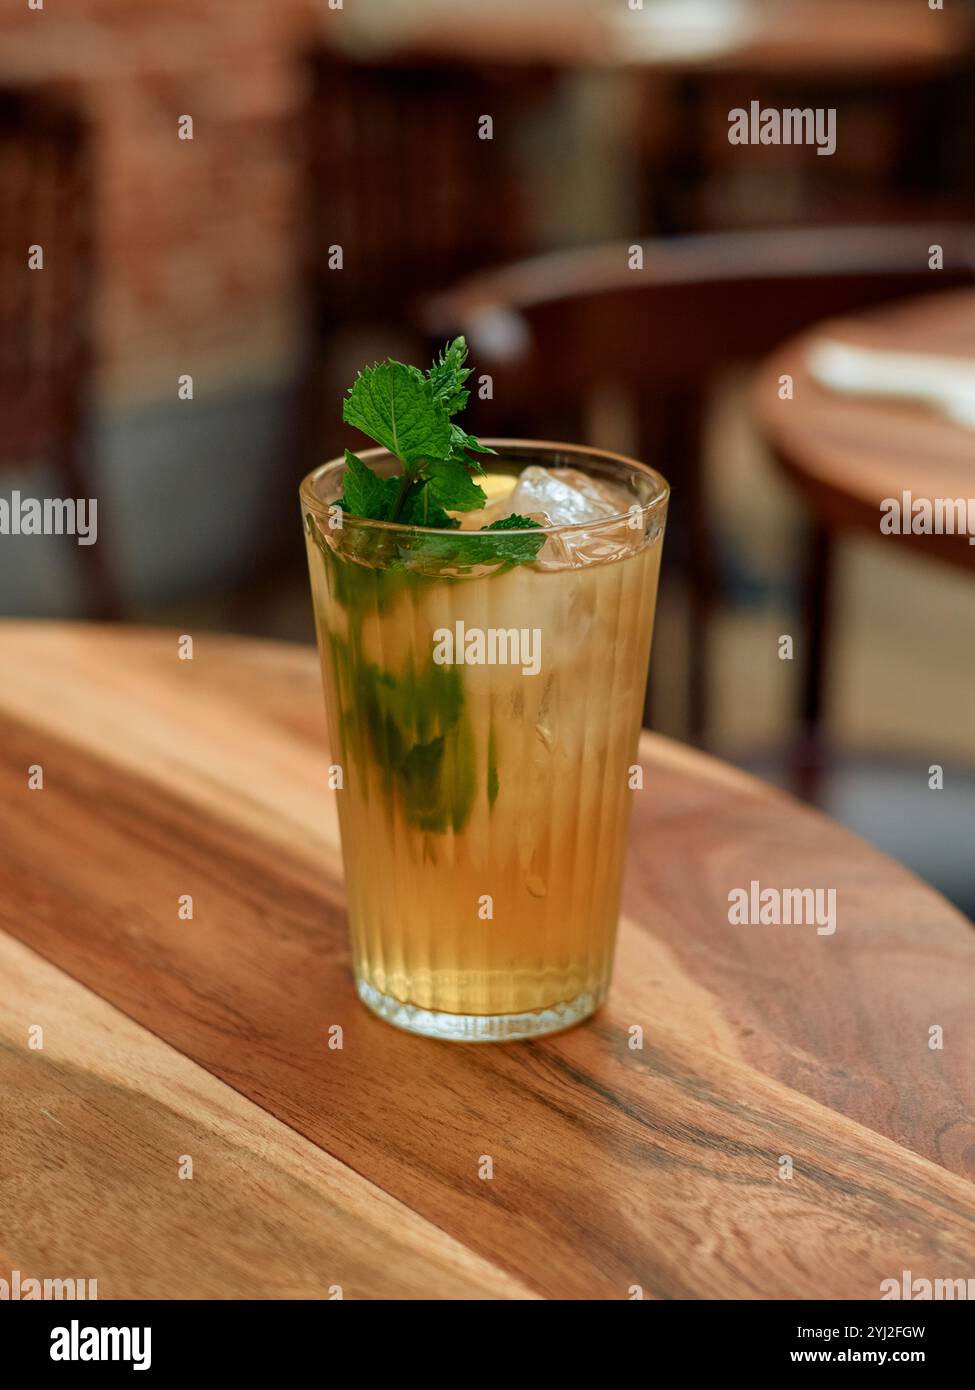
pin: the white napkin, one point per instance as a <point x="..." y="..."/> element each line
<point x="947" y="383"/>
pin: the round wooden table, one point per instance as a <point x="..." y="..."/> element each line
<point x="848" y="453"/>
<point x="168" y="1037"/>
<point x="839" y="38"/>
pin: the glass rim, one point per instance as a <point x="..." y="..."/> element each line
<point x="659" y="498"/>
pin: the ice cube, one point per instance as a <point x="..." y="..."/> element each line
<point x="569" y="497"/>
<point x="565" y="495"/>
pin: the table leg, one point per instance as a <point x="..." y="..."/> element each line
<point x="817" y="601"/>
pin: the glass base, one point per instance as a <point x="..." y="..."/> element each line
<point x="431" y="1023"/>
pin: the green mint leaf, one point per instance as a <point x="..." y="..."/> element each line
<point x="414" y="728"/>
<point x="408" y="412"/>
<point x="451" y="487"/>
<point x="421" y="509"/>
<point x="447" y="377"/>
<point x="461" y="440"/>
<point x="395" y="405"/>
<point x="488" y="547"/>
<point x="421" y="774"/>
<point x="514" y="550"/>
<point x="365" y="493"/>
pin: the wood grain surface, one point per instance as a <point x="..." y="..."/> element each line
<point x="613" y="1167"/>
<point x="96" y="1124"/>
<point x="847" y="453"/>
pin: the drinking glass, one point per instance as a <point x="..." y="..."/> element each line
<point x="484" y="719"/>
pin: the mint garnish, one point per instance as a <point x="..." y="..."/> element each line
<point x="415" y="727"/>
<point x="409" y="413"/>
<point x="411" y="723"/>
<point x="485" y="547"/>
<point x="396" y="405"/>
<point x="366" y="494"/>
<point x="447" y="377"/>
<point x="452" y="487"/>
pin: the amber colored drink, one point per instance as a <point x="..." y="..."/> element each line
<point x="484" y="720"/>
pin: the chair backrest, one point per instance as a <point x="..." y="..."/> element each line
<point x="554" y="327"/>
<point x="45" y="210"/>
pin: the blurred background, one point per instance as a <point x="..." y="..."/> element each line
<point x="625" y="275"/>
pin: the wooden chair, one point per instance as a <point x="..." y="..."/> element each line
<point x="45" y="314"/>
<point x="398" y="176"/>
<point x="554" y="330"/>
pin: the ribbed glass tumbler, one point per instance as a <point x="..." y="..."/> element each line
<point x="484" y="716"/>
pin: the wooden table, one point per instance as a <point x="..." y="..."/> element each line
<point x="840" y="38"/>
<point x="358" y="1167"/>
<point x="848" y="453"/>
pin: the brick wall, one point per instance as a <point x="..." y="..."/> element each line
<point x="196" y="239"/>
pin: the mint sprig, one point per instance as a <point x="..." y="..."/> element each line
<point x="366" y="494"/>
<point x="395" y="405"/>
<point x="448" y="374"/>
<point x="488" y="547"/>
<point x="409" y="413"/>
